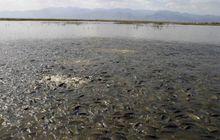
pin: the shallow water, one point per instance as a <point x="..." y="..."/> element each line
<point x="63" y="30"/>
<point x="59" y="86"/>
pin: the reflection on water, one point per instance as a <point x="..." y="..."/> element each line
<point x="50" y="30"/>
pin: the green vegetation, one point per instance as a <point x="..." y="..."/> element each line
<point x="115" y="21"/>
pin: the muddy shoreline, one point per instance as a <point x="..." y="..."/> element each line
<point x="109" y="88"/>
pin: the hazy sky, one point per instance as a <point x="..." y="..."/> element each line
<point x="190" y="6"/>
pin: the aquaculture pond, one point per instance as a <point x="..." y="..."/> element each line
<point x="64" y="80"/>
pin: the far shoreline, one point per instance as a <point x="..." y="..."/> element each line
<point x="114" y="21"/>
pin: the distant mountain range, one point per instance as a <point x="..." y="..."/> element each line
<point x="111" y="14"/>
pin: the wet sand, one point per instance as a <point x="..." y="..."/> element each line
<point x="103" y="88"/>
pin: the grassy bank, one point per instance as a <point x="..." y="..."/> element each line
<point x="115" y="21"/>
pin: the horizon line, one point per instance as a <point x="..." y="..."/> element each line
<point x="114" y="21"/>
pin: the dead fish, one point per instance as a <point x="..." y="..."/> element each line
<point x="215" y="115"/>
<point x="151" y="136"/>
<point x="1" y="121"/>
<point x="119" y="136"/>
<point x="128" y="115"/>
<point x="194" y="117"/>
<point x="74" y="130"/>
<point x="171" y="126"/>
<point x="165" y="118"/>
<point x="188" y="125"/>
<point x="212" y="129"/>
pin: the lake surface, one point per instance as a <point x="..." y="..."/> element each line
<point x="63" y="30"/>
<point x="61" y="80"/>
